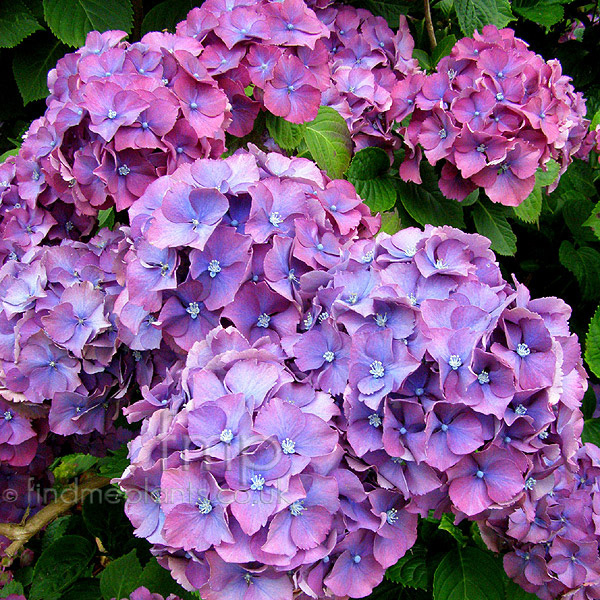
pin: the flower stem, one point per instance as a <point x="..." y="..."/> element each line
<point x="429" y="25"/>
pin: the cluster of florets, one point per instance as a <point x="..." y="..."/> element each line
<point x="243" y="487"/>
<point x="455" y="378"/>
<point x="142" y="593"/>
<point x="552" y="532"/>
<point x="410" y="377"/>
<point x="495" y="112"/>
<point x="462" y="393"/>
<point x="59" y="342"/>
<point x="291" y="59"/>
<point x="120" y="115"/>
<point x="233" y="239"/>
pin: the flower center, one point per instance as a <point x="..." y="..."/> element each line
<point x="444" y="427"/>
<point x="481" y="148"/>
<point x="193" y="310"/>
<point x="377" y="369"/>
<point x="297" y="508"/>
<point x="381" y="320"/>
<point x="112" y="114"/>
<point x="288" y="446"/>
<point x="375" y="420"/>
<point x="214" y="267"/>
<point x="8" y="415"/>
<point x="443" y="134"/>
<point x="520" y="410"/>
<point x="193" y="105"/>
<point x="226" y="436"/>
<point x="368" y="257"/>
<point x="352" y="298"/>
<point x="155" y="495"/>
<point x="392" y="516"/>
<point x="263" y="320"/>
<point x="52" y="364"/>
<point x="479" y="474"/>
<point x="440" y="264"/>
<point x="530" y="483"/>
<point x="455" y="361"/>
<point x="257" y="483"/>
<point x="329" y="356"/>
<point x="357" y="558"/>
<point x="204" y="506"/>
<point x="523" y="350"/>
<point x="483" y="377"/>
<point x="275" y="219"/>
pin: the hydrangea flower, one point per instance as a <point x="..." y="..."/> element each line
<point x="494" y="112"/>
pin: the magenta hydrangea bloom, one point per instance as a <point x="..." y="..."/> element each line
<point x="494" y="112"/>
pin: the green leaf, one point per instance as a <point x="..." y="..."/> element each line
<point x="390" y="10"/>
<point x="595" y="121"/>
<point x="55" y="530"/>
<point x="13" y="587"/>
<point x="83" y="589"/>
<point x="546" y="177"/>
<point x="166" y="15"/>
<point x="591" y="431"/>
<point x="425" y="202"/>
<point x="471" y="199"/>
<point x="442" y="49"/>
<point x="68" y="467"/>
<point x="423" y="58"/>
<point x="468" y="574"/>
<point x="16" y="23"/>
<point x="59" y="566"/>
<point x="71" y="20"/>
<point x="8" y="153"/>
<point x="379" y="194"/>
<point x="159" y="580"/>
<point x="490" y="221"/>
<point x="515" y="592"/>
<point x="368" y="163"/>
<point x="447" y="524"/>
<point x="120" y="577"/>
<point x="475" y="14"/>
<point x="390" y="222"/>
<point x="329" y="141"/>
<point x="578" y="178"/>
<point x="592" y="344"/>
<point x="114" y="463"/>
<point x="543" y="12"/>
<point x="584" y="263"/>
<point x="106" y="218"/>
<point x="576" y="212"/>
<point x="368" y="172"/>
<point x="530" y="209"/>
<point x="105" y="519"/>
<point x="31" y="65"/>
<point x="286" y="135"/>
<point x="411" y="569"/>
<point x="593" y="220"/>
